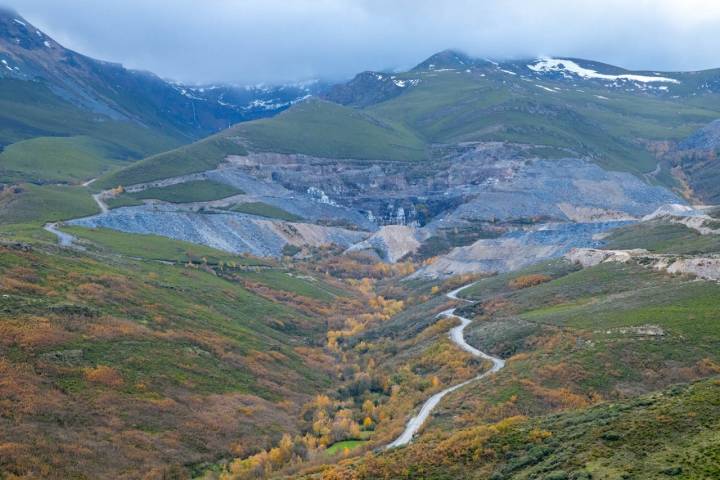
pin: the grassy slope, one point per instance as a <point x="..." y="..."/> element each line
<point x="164" y="349"/>
<point x="672" y="434"/>
<point x="314" y="127"/>
<point x="197" y="157"/>
<point x="329" y="130"/>
<point x="28" y="203"/>
<point x="451" y="107"/>
<point x="29" y="110"/>
<point x="660" y="237"/>
<point x="47" y="140"/>
<point x="122" y="200"/>
<point x="599" y="306"/>
<point x="58" y="159"/>
<point x="193" y="191"/>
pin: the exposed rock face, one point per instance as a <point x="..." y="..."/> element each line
<point x="707" y="138"/>
<point x="695" y="218"/>
<point x="477" y="182"/>
<point x="696" y="159"/>
<point x="705" y="267"/>
<point x="564" y="190"/>
<point x="541" y="208"/>
<point x="589" y="257"/>
<point x="365" y="89"/>
<point x="391" y="242"/>
<point x="232" y="232"/>
<point x="702" y="267"/>
<point x="515" y="250"/>
<point x="672" y="209"/>
<point x="592" y="214"/>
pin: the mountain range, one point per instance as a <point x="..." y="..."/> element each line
<point x="51" y="91"/>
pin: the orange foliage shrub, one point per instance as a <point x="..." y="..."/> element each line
<point x="111" y="327"/>
<point x="707" y="367"/>
<point x="15" y="285"/>
<point x="104" y="375"/>
<point x="519" y="357"/>
<point x="33" y="332"/>
<point x="91" y="291"/>
<point x="559" y="398"/>
<point x="526" y="281"/>
<point x="536" y="435"/>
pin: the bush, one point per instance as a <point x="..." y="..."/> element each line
<point x="526" y="281"/>
<point x="104" y="375"/>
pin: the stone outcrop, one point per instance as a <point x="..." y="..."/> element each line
<point x="705" y="267"/>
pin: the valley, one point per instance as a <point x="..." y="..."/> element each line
<point x="456" y="335"/>
<point x="471" y="268"/>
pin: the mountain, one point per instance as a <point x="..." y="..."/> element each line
<point x="491" y="164"/>
<point x="103" y="112"/>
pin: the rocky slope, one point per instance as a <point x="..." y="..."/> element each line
<point x="506" y="162"/>
<point x="28" y="54"/>
<point x="539" y="208"/>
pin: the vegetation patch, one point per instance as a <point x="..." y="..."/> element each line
<point x="325" y="129"/>
<point x="662" y="237"/>
<point x="25" y="203"/>
<point x="204" y="155"/>
<point x="58" y="159"/>
<point x="345" y="446"/>
<point x="187" y="192"/>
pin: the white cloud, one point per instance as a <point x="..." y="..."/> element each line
<point x="276" y="40"/>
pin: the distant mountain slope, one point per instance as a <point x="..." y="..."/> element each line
<point x="698" y="159"/>
<point x="47" y="90"/>
<point x="313" y="127"/>
<point x="570" y="107"/>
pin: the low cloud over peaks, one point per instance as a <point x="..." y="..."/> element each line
<point x="251" y="41"/>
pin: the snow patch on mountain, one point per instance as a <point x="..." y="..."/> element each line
<point x="567" y="67"/>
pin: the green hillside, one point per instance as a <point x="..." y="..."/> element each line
<point x="314" y="127"/>
<point x="325" y="129"/>
<point x="670" y="434"/>
<point x="451" y="107"/>
<point x="206" y="154"/>
<point x="28" y="203"/>
<point x="193" y="191"/>
<point x="62" y="143"/>
<point x="148" y="354"/>
<point x="611" y="373"/>
<point x="440" y="107"/>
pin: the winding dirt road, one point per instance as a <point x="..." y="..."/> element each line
<point x="456" y="334"/>
<point x="64" y="239"/>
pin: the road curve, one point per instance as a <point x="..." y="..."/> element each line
<point x="100" y="201"/>
<point x="457" y="336"/>
<point x="64" y="239"/>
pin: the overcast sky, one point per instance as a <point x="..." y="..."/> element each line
<point x="252" y="41"/>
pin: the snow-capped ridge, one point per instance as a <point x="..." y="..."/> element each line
<point x="568" y="67"/>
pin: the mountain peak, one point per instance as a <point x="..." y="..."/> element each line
<point x="16" y="32"/>
<point x="446" y="59"/>
<point x="7" y="11"/>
